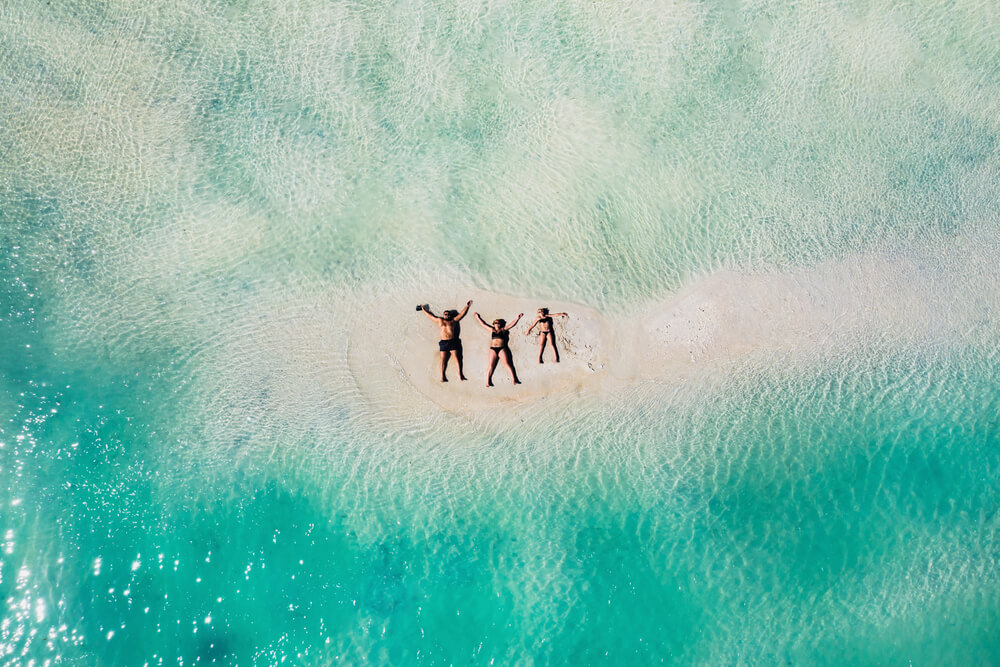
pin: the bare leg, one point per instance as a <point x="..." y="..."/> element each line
<point x="541" y="346"/>
<point x="552" y="338"/>
<point x="444" y="363"/>
<point x="458" y="358"/>
<point x="508" y="361"/>
<point x="494" y="358"/>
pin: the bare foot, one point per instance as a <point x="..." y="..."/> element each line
<point x="444" y="379"/>
<point x="489" y="384"/>
<point x="462" y="378"/>
<point x="517" y="382"/>
<point x="540" y="361"/>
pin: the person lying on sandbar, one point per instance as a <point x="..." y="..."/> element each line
<point x="545" y="332"/>
<point x="450" y="332"/>
<point x="499" y="336"/>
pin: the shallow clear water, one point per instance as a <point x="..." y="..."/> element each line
<point x="188" y="187"/>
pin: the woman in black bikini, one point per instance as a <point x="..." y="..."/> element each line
<point x="499" y="335"/>
<point x="545" y="332"/>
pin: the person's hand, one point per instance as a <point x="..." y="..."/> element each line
<point x="520" y="314"/>
<point x="469" y="302"/>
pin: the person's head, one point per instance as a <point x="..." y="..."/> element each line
<point x="542" y="312"/>
<point x="449" y="314"/>
<point x="499" y="324"/>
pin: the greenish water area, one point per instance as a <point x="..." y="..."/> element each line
<point x="188" y="187"/>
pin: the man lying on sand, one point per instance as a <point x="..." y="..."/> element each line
<point x="450" y="332"/>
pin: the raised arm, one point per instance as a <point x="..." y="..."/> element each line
<point x="558" y="314"/>
<point x="465" y="310"/>
<point x="483" y="322"/>
<point x="533" y="325"/>
<point x="514" y="323"/>
<point x="427" y="309"/>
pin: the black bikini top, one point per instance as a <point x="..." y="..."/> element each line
<point x="503" y="335"/>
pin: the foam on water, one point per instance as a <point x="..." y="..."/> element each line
<point x="777" y="224"/>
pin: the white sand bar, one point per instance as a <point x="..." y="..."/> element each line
<point x="900" y="299"/>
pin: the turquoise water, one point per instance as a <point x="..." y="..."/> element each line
<point x="202" y="204"/>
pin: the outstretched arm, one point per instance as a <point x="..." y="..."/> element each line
<point x="464" y="310"/>
<point x="514" y="323"/>
<point x="559" y="314"/>
<point x="483" y="322"/>
<point x="427" y="309"/>
<point x="533" y="325"/>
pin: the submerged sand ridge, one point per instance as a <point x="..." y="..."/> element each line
<point x="926" y="299"/>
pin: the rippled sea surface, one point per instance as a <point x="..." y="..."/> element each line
<point x="191" y="472"/>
